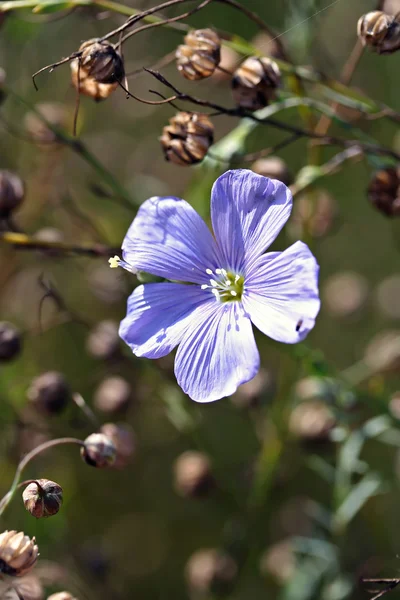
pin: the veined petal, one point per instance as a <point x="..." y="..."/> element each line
<point x="218" y="352"/>
<point x="157" y="317"/>
<point x="281" y="294"/>
<point x="248" y="211"/>
<point x="168" y="238"/>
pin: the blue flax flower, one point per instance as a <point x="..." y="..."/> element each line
<point x="233" y="283"/>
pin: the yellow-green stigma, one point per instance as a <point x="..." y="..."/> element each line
<point x="225" y="285"/>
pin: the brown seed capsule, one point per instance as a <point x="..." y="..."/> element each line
<point x="123" y="438"/>
<point x="379" y="31"/>
<point x="274" y="168"/>
<point x="258" y="391"/>
<point x="346" y="294"/>
<point x="37" y="129"/>
<point x="199" y="56"/>
<point x="98" y="451"/>
<point x="28" y="587"/>
<point x="43" y="499"/>
<point x="18" y="553"/>
<point x="210" y="571"/>
<point x="62" y="596"/>
<point x="279" y="561"/>
<point x="255" y="82"/>
<point x="49" y="392"/>
<point x="311" y="421"/>
<point x="384" y="191"/>
<point x="192" y="475"/>
<point x="113" y="395"/>
<point x="314" y="215"/>
<point x="103" y="341"/>
<point x="12" y="193"/>
<point x="98" y="70"/>
<point x="187" y="138"/>
<point x="10" y="341"/>
<point x="382" y="355"/>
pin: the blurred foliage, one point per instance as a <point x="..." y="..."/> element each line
<point x="305" y="502"/>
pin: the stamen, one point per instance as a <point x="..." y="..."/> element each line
<point x="114" y="262"/>
<point x="225" y="285"/>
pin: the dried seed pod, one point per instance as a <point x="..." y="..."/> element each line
<point x="279" y="561"/>
<point x="311" y="421"/>
<point x="43" y="498"/>
<point x="28" y="587"/>
<point x="388" y="297"/>
<point x="113" y="395"/>
<point x="199" y="56"/>
<point x="314" y="215"/>
<point x="103" y="340"/>
<point x="62" y="596"/>
<point x="98" y="451"/>
<point x="37" y="129"/>
<point x="382" y="355"/>
<point x="49" y="392"/>
<point x="12" y="192"/>
<point x="123" y="438"/>
<point x="346" y="294"/>
<point x="101" y="61"/>
<point x="384" y="191"/>
<point x="210" y="571"/>
<point x="10" y="341"/>
<point x="255" y="82"/>
<point x="99" y="69"/>
<point x="192" y="475"/>
<point x="274" y="168"/>
<point x="257" y="392"/>
<point x="379" y="31"/>
<point x="18" y="553"/>
<point x="187" y="138"/>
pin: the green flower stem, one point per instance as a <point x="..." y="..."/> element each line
<point x="26" y="460"/>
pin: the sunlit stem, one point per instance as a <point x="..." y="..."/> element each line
<point x="80" y="402"/>
<point x="26" y="460"/>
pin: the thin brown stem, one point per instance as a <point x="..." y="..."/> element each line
<point x="27" y="459"/>
<point x="166" y="21"/>
<point x="24" y="242"/>
<point x="366" y="147"/>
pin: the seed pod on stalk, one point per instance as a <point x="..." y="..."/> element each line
<point x="43" y="498"/>
<point x="187" y="138"/>
<point x="200" y="55"/>
<point x="18" y="553"/>
<point x="379" y="31"/>
<point x="254" y="83"/>
<point x="98" y="70"/>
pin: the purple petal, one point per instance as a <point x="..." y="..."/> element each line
<point x="281" y="294"/>
<point x="218" y="352"/>
<point x="157" y="317"/>
<point x="248" y="211"/>
<point x="169" y="239"/>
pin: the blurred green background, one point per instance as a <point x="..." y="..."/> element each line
<point x="130" y="533"/>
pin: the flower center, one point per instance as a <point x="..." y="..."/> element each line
<point x="225" y="285"/>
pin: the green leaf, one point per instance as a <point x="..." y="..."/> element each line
<point x="369" y="486"/>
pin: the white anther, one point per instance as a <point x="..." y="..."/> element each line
<point x="209" y="272"/>
<point x="233" y="293"/>
<point x="218" y="271"/>
<point x="213" y="283"/>
<point x="204" y="286"/>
